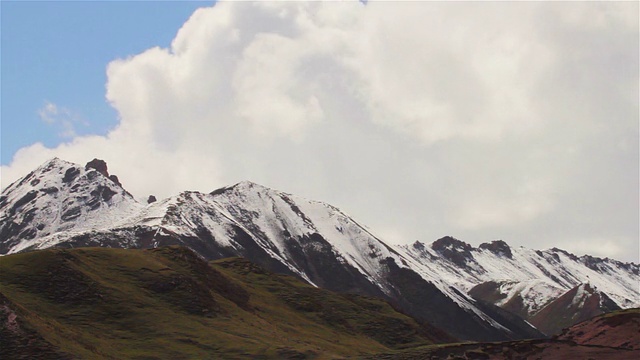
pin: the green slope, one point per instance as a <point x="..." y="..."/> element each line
<point x="166" y="303"/>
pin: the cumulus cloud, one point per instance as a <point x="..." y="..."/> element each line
<point x="478" y="120"/>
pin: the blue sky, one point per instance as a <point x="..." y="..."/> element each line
<point x="57" y="52"/>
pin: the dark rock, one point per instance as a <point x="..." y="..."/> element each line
<point x="454" y="250"/>
<point x="220" y="190"/>
<point x="103" y="192"/>
<point x="50" y="190"/>
<point x="151" y="199"/>
<point x="568" y="254"/>
<point x="99" y="165"/>
<point x="449" y="242"/>
<point x="115" y="180"/>
<point x="498" y="247"/>
<point x="28" y="197"/>
<point x="71" y="214"/>
<point x="70" y="174"/>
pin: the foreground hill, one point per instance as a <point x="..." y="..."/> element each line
<point x="612" y="336"/>
<point x="97" y="303"/>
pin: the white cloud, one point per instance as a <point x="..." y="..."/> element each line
<point x="479" y="120"/>
<point x="62" y="118"/>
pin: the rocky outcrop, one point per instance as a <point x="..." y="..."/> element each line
<point x="101" y="166"/>
<point x="498" y="247"/>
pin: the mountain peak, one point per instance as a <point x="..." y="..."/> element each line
<point x="52" y="163"/>
<point x="449" y="242"/>
<point x="498" y="247"/>
<point x="571" y="256"/>
<point x="250" y="185"/>
<point x="580" y="303"/>
<point x="242" y="186"/>
<point x="99" y="165"/>
<point x="454" y="250"/>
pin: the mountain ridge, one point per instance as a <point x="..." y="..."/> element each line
<point x="282" y="232"/>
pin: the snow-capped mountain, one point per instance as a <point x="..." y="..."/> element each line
<point x="289" y="234"/>
<point x="524" y="281"/>
<point x="576" y="305"/>
<point x="61" y="197"/>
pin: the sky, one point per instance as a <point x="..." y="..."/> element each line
<point x="481" y="120"/>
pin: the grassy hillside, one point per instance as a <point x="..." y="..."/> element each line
<point x="611" y="336"/>
<point x="167" y="303"/>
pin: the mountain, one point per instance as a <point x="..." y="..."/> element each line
<point x="581" y="303"/>
<point x="525" y="281"/>
<point x="60" y="199"/>
<point x="97" y="303"/>
<point x="612" y="336"/>
<point x="312" y="240"/>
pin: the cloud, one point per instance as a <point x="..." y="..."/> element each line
<point x="478" y="120"/>
<point x="61" y="117"/>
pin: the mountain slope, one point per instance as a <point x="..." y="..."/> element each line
<point x="168" y="303"/>
<point x="521" y="280"/>
<point x="581" y="303"/>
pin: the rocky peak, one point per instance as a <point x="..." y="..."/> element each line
<point x="242" y="186"/>
<point x="454" y="250"/>
<point x="498" y="247"/>
<point x="555" y="251"/>
<point x="101" y="166"/>
<point x="449" y="242"/>
<point x="115" y="180"/>
<point x="247" y="185"/>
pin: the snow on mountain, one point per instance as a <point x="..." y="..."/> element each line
<point x="576" y="305"/>
<point x="61" y="204"/>
<point x="523" y="280"/>
<point x="60" y="197"/>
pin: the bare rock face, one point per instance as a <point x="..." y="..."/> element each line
<point x="99" y="165"/>
<point x="151" y="199"/>
<point x="115" y="180"/>
<point x="454" y="250"/>
<point x="498" y="247"/>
